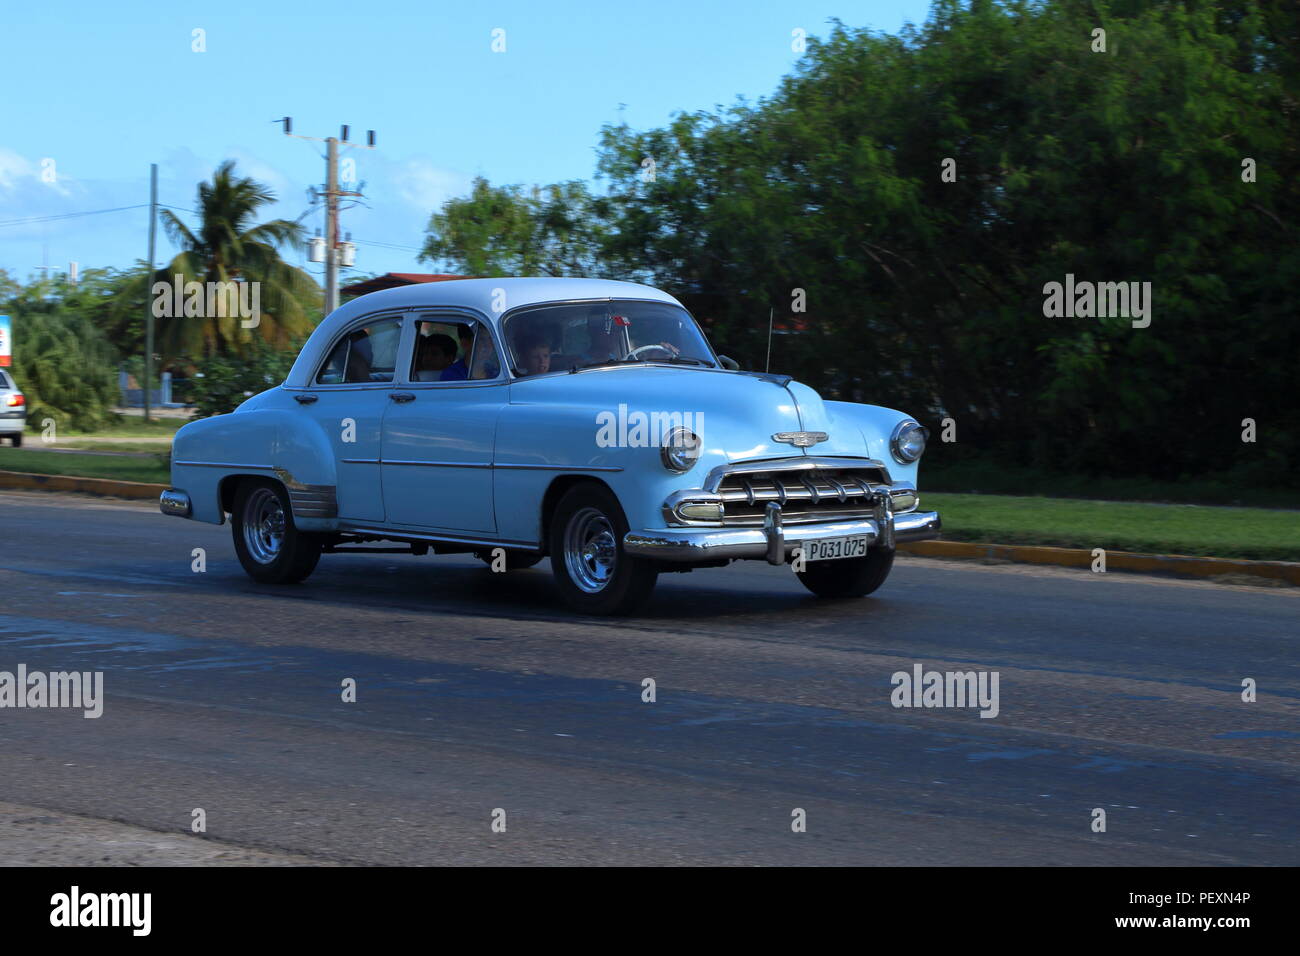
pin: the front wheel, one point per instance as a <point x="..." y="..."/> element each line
<point x="270" y="548"/>
<point x="848" y="577"/>
<point x="17" y="439"/>
<point x="593" y="572"/>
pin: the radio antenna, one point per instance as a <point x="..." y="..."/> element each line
<point x="770" y="312"/>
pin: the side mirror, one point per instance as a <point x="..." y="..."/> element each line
<point x="729" y="363"/>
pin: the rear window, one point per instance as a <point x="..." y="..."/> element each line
<point x="367" y="354"/>
<point x="5" y="381"/>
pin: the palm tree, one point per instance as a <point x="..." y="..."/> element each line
<point x="228" y="245"/>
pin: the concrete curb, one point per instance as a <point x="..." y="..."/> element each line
<point x="1182" y="565"/>
<point x="1178" y="564"/>
<point x="25" y="481"/>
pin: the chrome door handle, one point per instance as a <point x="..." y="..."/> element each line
<point x="304" y="399"/>
<point x="401" y="396"/>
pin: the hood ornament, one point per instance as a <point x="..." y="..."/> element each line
<point x="801" y="439"/>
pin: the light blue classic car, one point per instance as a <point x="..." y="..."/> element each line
<point x="584" y="420"/>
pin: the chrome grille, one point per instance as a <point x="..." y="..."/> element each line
<point x="804" y="495"/>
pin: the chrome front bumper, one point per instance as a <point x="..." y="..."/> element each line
<point x="773" y="541"/>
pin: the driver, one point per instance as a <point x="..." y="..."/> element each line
<point x="602" y="340"/>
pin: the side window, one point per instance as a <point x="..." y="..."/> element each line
<point x="364" y="355"/>
<point x="452" y="350"/>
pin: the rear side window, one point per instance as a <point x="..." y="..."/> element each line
<point x="367" y="354"/>
<point x="5" y="382"/>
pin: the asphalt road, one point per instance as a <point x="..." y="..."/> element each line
<point x="477" y="691"/>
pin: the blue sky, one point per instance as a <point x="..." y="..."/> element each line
<point x="105" y="89"/>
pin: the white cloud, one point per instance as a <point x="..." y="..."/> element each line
<point x="425" y="185"/>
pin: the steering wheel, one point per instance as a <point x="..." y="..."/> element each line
<point x="636" y="353"/>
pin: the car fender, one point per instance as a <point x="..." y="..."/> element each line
<point x="262" y="442"/>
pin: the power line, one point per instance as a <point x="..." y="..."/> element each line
<point x="70" y="215"/>
<point x="387" y="245"/>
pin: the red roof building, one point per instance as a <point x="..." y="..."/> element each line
<point x="391" y="280"/>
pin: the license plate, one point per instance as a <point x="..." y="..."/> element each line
<point x="827" y="549"/>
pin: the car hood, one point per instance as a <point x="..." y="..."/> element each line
<point x="739" y="412"/>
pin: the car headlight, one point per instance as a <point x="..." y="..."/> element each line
<point x="681" y="450"/>
<point x="908" y="441"/>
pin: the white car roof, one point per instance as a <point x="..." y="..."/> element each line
<point x="493" y="298"/>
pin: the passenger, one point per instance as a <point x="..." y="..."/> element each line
<point x="435" y="355"/>
<point x="484" y="363"/>
<point x="458" y="371"/>
<point x="534" y="354"/>
<point x="359" y="355"/>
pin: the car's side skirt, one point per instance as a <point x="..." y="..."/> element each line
<point x="397" y="534"/>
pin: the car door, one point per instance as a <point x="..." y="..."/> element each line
<point x="347" y="400"/>
<point x="438" y="435"/>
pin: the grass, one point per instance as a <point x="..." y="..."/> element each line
<point x="128" y="426"/>
<point x="1254" y="533"/>
<point x="85" y="466"/>
<point x="989" y="477"/>
<point x="157" y="445"/>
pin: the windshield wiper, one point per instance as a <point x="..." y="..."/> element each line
<point x="603" y="363"/>
<point x="685" y="360"/>
<point x="674" y="360"/>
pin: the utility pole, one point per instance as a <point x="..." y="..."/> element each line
<point x="332" y="195"/>
<point x="331" y="225"/>
<point x="148" y="305"/>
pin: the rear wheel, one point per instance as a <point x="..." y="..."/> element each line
<point x="17" y="439"/>
<point x="592" y="571"/>
<point x="271" y="549"/>
<point x="848" y="577"/>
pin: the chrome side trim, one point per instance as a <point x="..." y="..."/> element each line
<point x="484" y="464"/>
<point x="523" y="467"/>
<point x="438" y="464"/>
<point x="399" y="534"/>
<point x="223" y="464"/>
<point x="435" y="464"/>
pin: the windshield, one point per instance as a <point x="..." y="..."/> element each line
<point x="559" y="338"/>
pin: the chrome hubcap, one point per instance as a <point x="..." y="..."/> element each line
<point x="590" y="550"/>
<point x="264" y="526"/>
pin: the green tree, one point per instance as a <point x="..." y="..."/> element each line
<point x="224" y="382"/>
<point x="65" y="367"/>
<point x="227" y="245"/>
<point x="925" y="291"/>
<point x="507" y="230"/>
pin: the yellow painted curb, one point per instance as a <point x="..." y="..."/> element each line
<point x="1188" y="565"/>
<point x="22" y="480"/>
